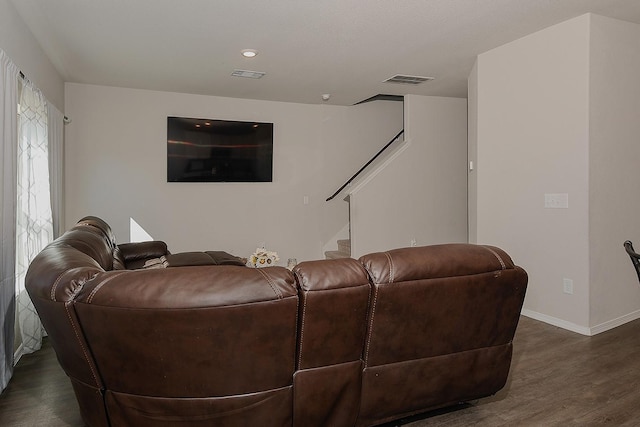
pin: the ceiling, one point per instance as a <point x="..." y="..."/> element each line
<point x="307" y="48"/>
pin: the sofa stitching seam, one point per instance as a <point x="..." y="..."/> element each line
<point x="55" y="286"/>
<point x="304" y="311"/>
<point x="271" y="284"/>
<point x="100" y="285"/>
<point x="373" y="313"/>
<point x="297" y="314"/>
<point x="502" y="264"/>
<point x="75" y="291"/>
<point x="391" y="267"/>
<point x="84" y="351"/>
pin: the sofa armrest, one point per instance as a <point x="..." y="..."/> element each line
<point x="185" y="259"/>
<point x="134" y="255"/>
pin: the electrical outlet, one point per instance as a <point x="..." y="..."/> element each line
<point x="567" y="286"/>
<point x="414" y="243"/>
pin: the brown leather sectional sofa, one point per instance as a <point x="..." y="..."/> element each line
<point x="335" y="343"/>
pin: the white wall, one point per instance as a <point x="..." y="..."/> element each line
<point x="472" y="154"/>
<point x="614" y="147"/>
<point x="557" y="113"/>
<point x="21" y="46"/>
<point x="350" y="137"/>
<point x="422" y="194"/>
<point x="532" y="139"/>
<point x="116" y="169"/>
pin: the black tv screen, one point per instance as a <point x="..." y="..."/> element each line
<point x="204" y="150"/>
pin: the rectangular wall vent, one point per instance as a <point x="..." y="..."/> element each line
<point x="407" y="80"/>
<point x="248" y="74"/>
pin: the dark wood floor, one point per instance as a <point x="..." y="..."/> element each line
<point x="558" y="378"/>
<point x="39" y="394"/>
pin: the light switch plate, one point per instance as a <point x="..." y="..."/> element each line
<point x="567" y="286"/>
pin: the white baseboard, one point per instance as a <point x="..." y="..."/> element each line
<point x="614" y="323"/>
<point x="556" y="322"/>
<point x="589" y="331"/>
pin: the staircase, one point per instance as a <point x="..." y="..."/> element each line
<point x="377" y="162"/>
<point x="344" y="250"/>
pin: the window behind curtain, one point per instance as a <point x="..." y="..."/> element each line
<point x="33" y="209"/>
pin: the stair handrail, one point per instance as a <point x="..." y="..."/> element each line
<point x="355" y="175"/>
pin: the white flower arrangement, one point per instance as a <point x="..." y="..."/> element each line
<point x="263" y="258"/>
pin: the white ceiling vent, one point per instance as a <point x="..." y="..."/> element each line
<point x="407" y="80"/>
<point x="248" y="74"/>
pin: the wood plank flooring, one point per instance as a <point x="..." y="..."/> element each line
<point x="39" y="394"/>
<point x="558" y="378"/>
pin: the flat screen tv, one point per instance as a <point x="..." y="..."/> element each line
<point x="204" y="150"/>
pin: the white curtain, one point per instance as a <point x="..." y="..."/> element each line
<point x="8" y="132"/>
<point x="33" y="217"/>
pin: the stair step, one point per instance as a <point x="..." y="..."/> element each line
<point x="344" y="246"/>
<point x="336" y="254"/>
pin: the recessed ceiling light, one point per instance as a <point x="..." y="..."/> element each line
<point x="249" y="53"/>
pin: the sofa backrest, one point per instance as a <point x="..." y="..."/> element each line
<point x="166" y="326"/>
<point x="91" y="242"/>
<point x="180" y="335"/>
<point x="334" y="297"/>
<point x="53" y="280"/>
<point x="180" y="338"/>
<point x="441" y="320"/>
<point x="101" y="225"/>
